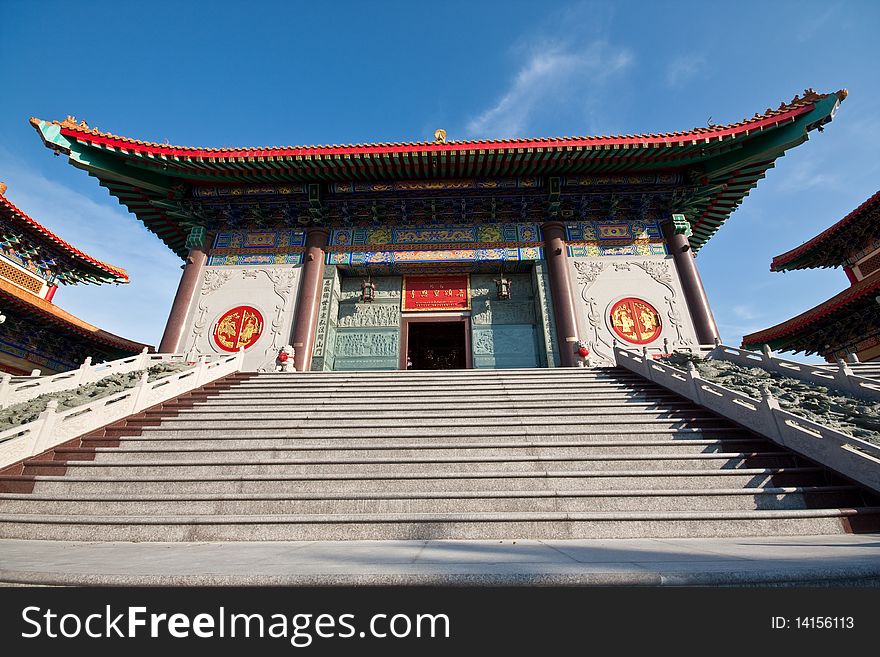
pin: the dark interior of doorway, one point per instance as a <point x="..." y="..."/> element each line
<point x="437" y="346"/>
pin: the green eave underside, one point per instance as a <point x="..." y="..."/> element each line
<point x="723" y="172"/>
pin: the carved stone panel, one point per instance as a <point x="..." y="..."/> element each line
<point x="368" y="314"/>
<point x="366" y="349"/>
<point x="271" y="290"/>
<point x="600" y="283"/>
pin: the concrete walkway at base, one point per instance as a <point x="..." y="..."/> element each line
<point x="852" y="560"/>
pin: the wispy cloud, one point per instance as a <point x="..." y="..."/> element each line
<point x="550" y="77"/>
<point x="808" y="174"/>
<point x="105" y="231"/>
<point x="684" y="68"/>
<point x="744" y="312"/>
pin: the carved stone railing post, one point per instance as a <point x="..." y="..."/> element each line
<point x="5" y="385"/>
<point x="48" y="418"/>
<point x="142" y="358"/>
<point x="140" y="393"/>
<point x="201" y="370"/>
<point x="694" y="378"/>
<point x="84" y="371"/>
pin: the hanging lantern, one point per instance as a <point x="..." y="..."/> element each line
<point x="502" y="286"/>
<point x="368" y="291"/>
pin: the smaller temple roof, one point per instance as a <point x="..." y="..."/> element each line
<point x="68" y="263"/>
<point x="795" y="334"/>
<point x="831" y="247"/>
<point x="29" y="303"/>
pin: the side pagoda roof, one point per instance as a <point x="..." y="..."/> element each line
<point x="831" y="247"/>
<point x="813" y="329"/>
<point x="50" y="252"/>
<point x="720" y="163"/>
<point x="48" y="312"/>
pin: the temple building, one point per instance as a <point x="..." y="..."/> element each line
<point x="443" y="253"/>
<point x="35" y="333"/>
<point x="848" y="323"/>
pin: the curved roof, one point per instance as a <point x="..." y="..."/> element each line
<point x="84" y="267"/>
<point x="794" y="334"/>
<point x="831" y="247"/>
<point x="13" y="295"/>
<point x="722" y="162"/>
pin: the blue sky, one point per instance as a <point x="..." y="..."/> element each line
<point x="285" y="73"/>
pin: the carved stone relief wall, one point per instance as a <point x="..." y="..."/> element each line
<point x="367" y="335"/>
<point x="503" y="332"/>
<point x="272" y="290"/>
<point x="601" y="282"/>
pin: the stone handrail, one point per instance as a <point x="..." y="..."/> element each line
<point x="52" y="427"/>
<point x="842" y="376"/>
<point x="16" y="393"/>
<point x="850" y="456"/>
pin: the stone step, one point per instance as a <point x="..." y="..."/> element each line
<point x="447" y="396"/>
<point x="569" y="449"/>
<point x="378" y="480"/>
<point x="441" y="375"/>
<point x="572" y="387"/>
<point x="632" y="431"/>
<point x="432" y="502"/>
<point x="393" y="418"/>
<point x="331" y="405"/>
<point x="533" y="525"/>
<point x="573" y="417"/>
<point x="423" y="465"/>
<point x="320" y="447"/>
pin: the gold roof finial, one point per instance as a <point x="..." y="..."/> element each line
<point x="440" y="136"/>
<point x="70" y="122"/>
<point x="3" y="188"/>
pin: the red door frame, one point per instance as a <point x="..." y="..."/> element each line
<point x="465" y="320"/>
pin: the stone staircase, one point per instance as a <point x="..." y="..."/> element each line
<point x="537" y="453"/>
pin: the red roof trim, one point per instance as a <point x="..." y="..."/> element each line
<point x="813" y="315"/>
<point x="773" y="118"/>
<point x="787" y="257"/>
<point x="33" y="223"/>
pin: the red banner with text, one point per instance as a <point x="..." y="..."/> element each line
<point x="450" y="292"/>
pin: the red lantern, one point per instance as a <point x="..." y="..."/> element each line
<point x="283" y="356"/>
<point x="583" y="352"/>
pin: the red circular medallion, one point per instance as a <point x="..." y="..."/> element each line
<point x="238" y="327"/>
<point x="635" y="321"/>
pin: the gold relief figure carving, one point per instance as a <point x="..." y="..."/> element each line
<point x="635" y="321"/>
<point x="648" y="320"/>
<point x="226" y="330"/>
<point x="238" y="327"/>
<point x="623" y="321"/>
<point x="250" y="326"/>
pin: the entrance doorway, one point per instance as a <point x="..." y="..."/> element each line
<point x="435" y="344"/>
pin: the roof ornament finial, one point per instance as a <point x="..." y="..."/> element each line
<point x="440" y="136"/>
<point x="709" y="122"/>
<point x="70" y="122"/>
<point x="3" y="188"/>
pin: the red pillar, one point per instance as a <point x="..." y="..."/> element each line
<point x="692" y="284"/>
<point x="556" y="255"/>
<point x="189" y="281"/>
<point x="309" y="300"/>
